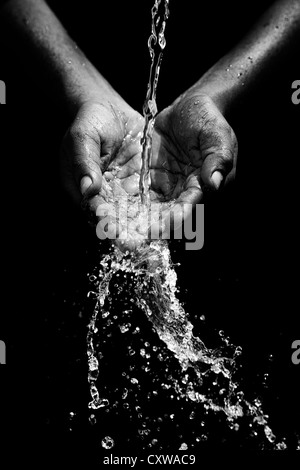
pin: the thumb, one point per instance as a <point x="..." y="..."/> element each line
<point x="220" y="161"/>
<point x="85" y="184"/>
<point x="83" y="148"/>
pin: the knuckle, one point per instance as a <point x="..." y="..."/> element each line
<point x="77" y="132"/>
<point x="82" y="164"/>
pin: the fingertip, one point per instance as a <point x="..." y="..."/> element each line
<point x="85" y="184"/>
<point x="90" y="184"/>
<point x="217" y="179"/>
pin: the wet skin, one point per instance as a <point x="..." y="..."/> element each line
<point x="191" y="141"/>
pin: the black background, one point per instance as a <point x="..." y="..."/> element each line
<point x="244" y="279"/>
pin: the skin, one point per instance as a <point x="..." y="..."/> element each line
<point x="194" y="147"/>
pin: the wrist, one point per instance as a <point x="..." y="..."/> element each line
<point x="221" y="92"/>
<point x="83" y="84"/>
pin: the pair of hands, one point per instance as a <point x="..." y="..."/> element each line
<point x="193" y="150"/>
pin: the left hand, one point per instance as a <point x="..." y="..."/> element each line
<point x="194" y="150"/>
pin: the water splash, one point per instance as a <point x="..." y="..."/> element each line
<point x="156" y="45"/>
<point x="203" y="379"/>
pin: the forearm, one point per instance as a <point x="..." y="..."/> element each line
<point x="68" y="72"/>
<point x="233" y="76"/>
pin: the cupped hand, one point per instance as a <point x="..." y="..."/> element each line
<point x="194" y="150"/>
<point x="101" y="138"/>
<point x="100" y="166"/>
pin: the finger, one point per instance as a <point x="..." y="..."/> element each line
<point x="219" y="159"/>
<point x="83" y="149"/>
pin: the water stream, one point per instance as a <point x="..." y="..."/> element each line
<point x="156" y="45"/>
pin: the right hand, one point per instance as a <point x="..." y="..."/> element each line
<point x="101" y="138"/>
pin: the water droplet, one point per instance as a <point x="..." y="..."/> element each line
<point x="92" y="294"/>
<point x="183" y="446"/>
<point x="124" y="328"/>
<point x="269" y="434"/>
<point x="92" y="419"/>
<point x="107" y="442"/>
<point x="281" y="446"/>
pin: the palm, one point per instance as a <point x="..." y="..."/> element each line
<point x="186" y="140"/>
<point x="174" y="169"/>
<point x="187" y="134"/>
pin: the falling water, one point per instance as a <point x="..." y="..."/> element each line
<point x="156" y="45"/>
<point x="203" y="380"/>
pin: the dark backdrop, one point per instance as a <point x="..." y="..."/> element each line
<point x="243" y="280"/>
